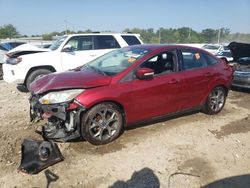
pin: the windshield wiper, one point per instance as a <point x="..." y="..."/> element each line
<point x="95" y="69"/>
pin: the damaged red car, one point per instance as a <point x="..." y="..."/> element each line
<point x="126" y="86"/>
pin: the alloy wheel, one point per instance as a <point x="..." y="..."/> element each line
<point x="104" y="124"/>
<point x="217" y="100"/>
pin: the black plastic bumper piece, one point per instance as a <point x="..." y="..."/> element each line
<point x="38" y="155"/>
<point x="22" y="88"/>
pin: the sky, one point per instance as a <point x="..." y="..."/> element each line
<point x="44" y="16"/>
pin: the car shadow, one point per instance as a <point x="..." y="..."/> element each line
<point x="238" y="89"/>
<point x="242" y="181"/>
<point x="143" y="178"/>
<point x="144" y="124"/>
<point x="159" y="120"/>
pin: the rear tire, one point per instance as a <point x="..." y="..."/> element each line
<point x="102" y="124"/>
<point x="215" y="101"/>
<point x="35" y="75"/>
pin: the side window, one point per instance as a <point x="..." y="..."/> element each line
<point x="162" y="63"/>
<point x="211" y="60"/>
<point x="193" y="59"/>
<point x="131" y="40"/>
<point x="87" y="43"/>
<point x="79" y="43"/>
<point x="105" y="42"/>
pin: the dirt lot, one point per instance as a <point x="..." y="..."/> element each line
<point x="189" y="151"/>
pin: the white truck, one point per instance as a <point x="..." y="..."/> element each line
<point x="68" y="52"/>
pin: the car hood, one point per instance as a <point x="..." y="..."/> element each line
<point x="25" y="49"/>
<point x="239" y="50"/>
<point x="69" y="80"/>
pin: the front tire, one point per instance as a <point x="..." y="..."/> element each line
<point x="215" y="101"/>
<point x="102" y="124"/>
<point x="35" y="75"/>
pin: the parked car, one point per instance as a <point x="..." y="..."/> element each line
<point x="242" y="73"/>
<point x="10" y="45"/>
<point x="241" y="55"/>
<point x="215" y="48"/>
<point x="25" y="49"/>
<point x="4" y="48"/>
<point x="226" y="54"/>
<point x="128" y="85"/>
<point x="66" y="53"/>
<point x="2" y="52"/>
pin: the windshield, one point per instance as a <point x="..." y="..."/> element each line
<point x="116" y="61"/>
<point x="57" y="43"/>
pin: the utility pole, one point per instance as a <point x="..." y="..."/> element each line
<point x="189" y="32"/>
<point x="66" y="27"/>
<point x="159" y="35"/>
<point x="218" y="41"/>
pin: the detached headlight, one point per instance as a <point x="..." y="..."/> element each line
<point x="60" y="96"/>
<point x="12" y="61"/>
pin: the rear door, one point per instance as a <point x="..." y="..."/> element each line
<point x="197" y="74"/>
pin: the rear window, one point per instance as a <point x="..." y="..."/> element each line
<point x="131" y="40"/>
<point x="211" y="60"/>
<point x="106" y="42"/>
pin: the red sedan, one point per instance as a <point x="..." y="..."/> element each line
<point x="132" y="84"/>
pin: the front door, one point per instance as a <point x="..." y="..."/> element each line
<point x="161" y="94"/>
<point x="86" y="48"/>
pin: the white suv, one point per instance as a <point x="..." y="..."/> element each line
<point x="68" y="52"/>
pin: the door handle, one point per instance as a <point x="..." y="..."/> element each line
<point x="173" y="81"/>
<point x="92" y="55"/>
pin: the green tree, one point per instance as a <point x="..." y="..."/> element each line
<point x="8" y="31"/>
<point x="47" y="37"/>
<point x="209" y="35"/>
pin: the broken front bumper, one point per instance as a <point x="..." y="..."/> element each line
<point x="63" y="119"/>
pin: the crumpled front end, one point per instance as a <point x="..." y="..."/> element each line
<point x="63" y="119"/>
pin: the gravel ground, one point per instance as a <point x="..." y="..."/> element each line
<point x="194" y="150"/>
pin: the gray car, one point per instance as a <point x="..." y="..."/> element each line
<point x="241" y="56"/>
<point x="242" y="73"/>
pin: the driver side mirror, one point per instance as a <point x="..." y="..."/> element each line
<point x="145" y="73"/>
<point x="68" y="48"/>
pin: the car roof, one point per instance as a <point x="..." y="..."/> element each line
<point x="96" y="33"/>
<point x="153" y="47"/>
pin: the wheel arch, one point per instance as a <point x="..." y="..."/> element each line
<point x="82" y="127"/>
<point x="49" y="67"/>
<point x="207" y="109"/>
<point x="226" y="89"/>
<point x="119" y="105"/>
